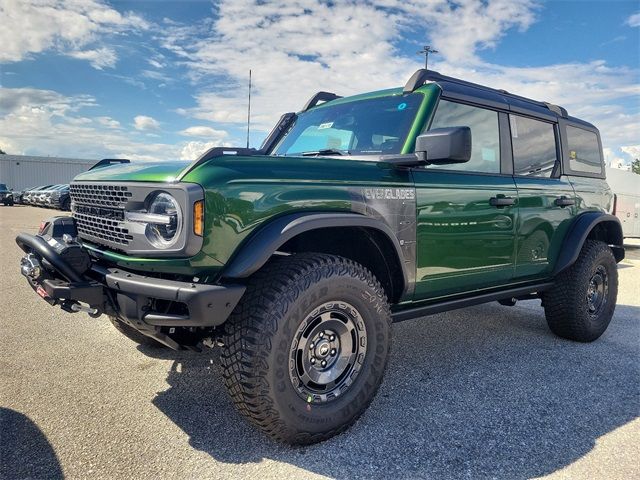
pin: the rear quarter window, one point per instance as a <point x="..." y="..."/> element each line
<point x="584" y="151"/>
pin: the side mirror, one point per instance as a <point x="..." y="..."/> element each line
<point x="444" y="145"/>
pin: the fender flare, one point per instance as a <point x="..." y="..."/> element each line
<point x="578" y="233"/>
<point x="261" y="245"/>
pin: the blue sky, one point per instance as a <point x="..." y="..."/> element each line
<point x="164" y="79"/>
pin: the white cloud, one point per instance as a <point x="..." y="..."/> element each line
<point x="352" y="48"/>
<point x="44" y="122"/>
<point x="192" y="150"/>
<point x="632" y="150"/>
<point x="33" y="26"/>
<point x="202" y="131"/>
<point x="108" y="122"/>
<point x="142" y="122"/>
<point x="100" y="58"/>
<point x="633" y="20"/>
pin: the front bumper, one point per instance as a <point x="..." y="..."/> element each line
<point x="152" y="305"/>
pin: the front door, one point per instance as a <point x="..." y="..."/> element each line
<point x="467" y="213"/>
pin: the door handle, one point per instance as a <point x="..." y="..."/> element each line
<point x="564" y="201"/>
<point x="501" y="201"/>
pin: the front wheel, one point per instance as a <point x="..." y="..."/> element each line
<point x="305" y="350"/>
<point x="581" y="304"/>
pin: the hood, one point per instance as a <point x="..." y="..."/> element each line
<point x="135" y="172"/>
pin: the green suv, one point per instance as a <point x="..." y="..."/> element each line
<point x="356" y="212"/>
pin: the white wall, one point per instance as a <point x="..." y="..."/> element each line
<point x="21" y="171"/>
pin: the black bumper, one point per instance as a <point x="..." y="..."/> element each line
<point x="145" y="303"/>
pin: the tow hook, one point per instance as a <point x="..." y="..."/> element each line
<point x="75" y="307"/>
<point x="30" y="266"/>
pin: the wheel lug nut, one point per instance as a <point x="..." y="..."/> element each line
<point x="313" y="360"/>
<point x="312" y="346"/>
<point x="323" y="363"/>
<point x="332" y="338"/>
<point x="333" y="352"/>
<point x="321" y="335"/>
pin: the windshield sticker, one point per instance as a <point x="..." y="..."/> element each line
<point x="325" y="125"/>
<point x="402" y="106"/>
<point x="488" y="154"/>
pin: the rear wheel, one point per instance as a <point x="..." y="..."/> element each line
<point x="581" y="304"/>
<point x="133" y="334"/>
<point x="305" y="350"/>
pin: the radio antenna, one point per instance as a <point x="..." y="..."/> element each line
<point x="249" y="110"/>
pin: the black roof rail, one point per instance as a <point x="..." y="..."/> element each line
<point x="319" y="97"/>
<point x="418" y="79"/>
<point x="421" y="76"/>
<point x="557" y="108"/>
<point x="105" y="162"/>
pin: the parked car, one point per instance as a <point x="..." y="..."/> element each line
<point x="354" y="213"/>
<point x="30" y="196"/>
<point x="59" y="198"/>
<point x="18" y="196"/>
<point x="6" y="196"/>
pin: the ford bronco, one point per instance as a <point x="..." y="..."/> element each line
<point x="355" y="212"/>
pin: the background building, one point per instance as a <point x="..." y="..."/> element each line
<point x="23" y="171"/>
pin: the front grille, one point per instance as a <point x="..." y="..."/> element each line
<point x="105" y="195"/>
<point x="99" y="212"/>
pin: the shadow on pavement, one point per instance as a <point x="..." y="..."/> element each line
<point x="24" y="450"/>
<point x="483" y="392"/>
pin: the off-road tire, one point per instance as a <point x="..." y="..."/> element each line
<point x="566" y="305"/>
<point x="134" y="335"/>
<point x="258" y="344"/>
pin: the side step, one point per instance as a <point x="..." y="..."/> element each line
<point x="468" y="301"/>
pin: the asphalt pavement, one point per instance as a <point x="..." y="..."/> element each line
<point x="484" y="392"/>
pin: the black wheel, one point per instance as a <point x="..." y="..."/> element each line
<point x="305" y="350"/>
<point x="133" y="334"/>
<point x="581" y="304"/>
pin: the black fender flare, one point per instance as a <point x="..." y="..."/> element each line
<point x="580" y="230"/>
<point x="262" y="244"/>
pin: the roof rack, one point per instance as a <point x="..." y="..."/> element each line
<point x="320" y="97"/>
<point x="421" y="76"/>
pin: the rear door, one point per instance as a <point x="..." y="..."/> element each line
<point x="546" y="197"/>
<point x="466" y="212"/>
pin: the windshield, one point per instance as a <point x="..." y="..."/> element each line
<point x="375" y="126"/>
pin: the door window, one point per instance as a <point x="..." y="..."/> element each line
<point x="485" y="136"/>
<point x="534" y="147"/>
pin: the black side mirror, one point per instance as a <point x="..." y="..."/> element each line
<point x="444" y="145"/>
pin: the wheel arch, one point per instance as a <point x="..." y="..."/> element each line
<point x="362" y="239"/>
<point x="594" y="226"/>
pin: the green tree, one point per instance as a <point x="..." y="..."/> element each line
<point x="635" y="166"/>
<point x="2" y="152"/>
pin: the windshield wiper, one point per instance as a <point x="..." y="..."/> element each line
<point x="326" y="151"/>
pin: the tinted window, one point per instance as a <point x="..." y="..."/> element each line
<point x="584" y="151"/>
<point x="534" y="147"/>
<point x="485" y="137"/>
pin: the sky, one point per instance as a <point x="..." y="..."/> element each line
<point x="155" y="80"/>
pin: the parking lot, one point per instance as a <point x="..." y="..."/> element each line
<point x="482" y="392"/>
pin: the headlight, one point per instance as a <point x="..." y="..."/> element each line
<point x="164" y="221"/>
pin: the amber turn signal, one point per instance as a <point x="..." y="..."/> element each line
<point x="198" y="218"/>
